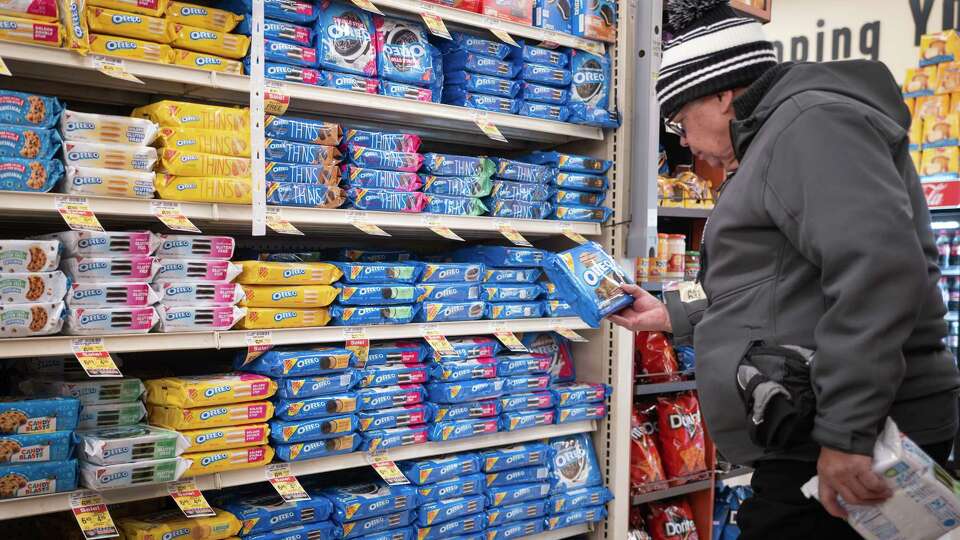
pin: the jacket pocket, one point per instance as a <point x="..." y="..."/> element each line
<point x="742" y="289"/>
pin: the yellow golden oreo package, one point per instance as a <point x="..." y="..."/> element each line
<point x="170" y="113"/>
<point x="282" y="273"/>
<point x="267" y="318"/>
<point x="154" y="8"/>
<point x="131" y="25"/>
<point x="218" y="438"/>
<point x="205" y="17"/>
<point x="203" y="390"/>
<point x="208" y="41"/>
<point x="206" y="62"/>
<point x="228" y="460"/>
<point x="135" y="49"/>
<point x="30" y="31"/>
<point x="237" y="414"/>
<point x="295" y="296"/>
<point x="173" y="524"/>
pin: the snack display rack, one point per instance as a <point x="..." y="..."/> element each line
<point x="606" y="357"/>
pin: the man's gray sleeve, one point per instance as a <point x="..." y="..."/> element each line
<point x="834" y="189"/>
<point x="683" y="317"/>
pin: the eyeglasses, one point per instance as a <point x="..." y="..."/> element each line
<point x="675" y="128"/>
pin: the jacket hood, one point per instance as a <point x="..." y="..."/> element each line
<point x="863" y="80"/>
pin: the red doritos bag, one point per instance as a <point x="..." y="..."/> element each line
<point x="645" y="465"/>
<point x="681" y="435"/>
<point x="672" y="520"/>
<point x="638" y="528"/>
<point x="657" y="359"/>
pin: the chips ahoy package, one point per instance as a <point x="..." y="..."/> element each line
<point x="403" y="53"/>
<point x="346" y="38"/>
<point x="591" y="79"/>
<point x="590" y="280"/>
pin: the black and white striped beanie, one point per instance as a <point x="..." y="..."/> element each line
<point x="713" y="49"/>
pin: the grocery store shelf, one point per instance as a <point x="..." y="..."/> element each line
<point x="566" y="532"/>
<point x="692" y="213"/>
<point x="31" y="506"/>
<point x="236" y="218"/>
<point x="690" y="487"/>
<point x="55" y="345"/>
<point x="663" y="388"/>
<point x="441" y="122"/>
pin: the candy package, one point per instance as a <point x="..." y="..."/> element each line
<point x="394" y="417"/>
<point x="377" y="179"/>
<point x="590" y="280"/>
<point x="681" y="435"/>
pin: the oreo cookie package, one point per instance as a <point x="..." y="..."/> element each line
<point x="457" y="95"/>
<point x="479" y="63"/>
<point x="343" y="444"/>
<point x="387" y="397"/>
<point x="511" y="275"/>
<point x="407" y="91"/>
<point x="513" y="457"/>
<point x="365" y="527"/>
<point x="590" y="280"/>
<point x="483" y="84"/>
<point x="360" y="501"/>
<point x="296" y="361"/>
<point x="295" y="11"/>
<point x="502" y="256"/>
<point x="383" y="200"/>
<point x="454" y="165"/>
<point x="403" y="53"/>
<point x="471" y="347"/>
<point x="579" y="413"/>
<point x="463" y="186"/>
<point x="570" y="394"/>
<point x="514" y="310"/>
<point x="595" y="19"/>
<point x="558" y="308"/>
<point x="520" y="475"/>
<point x="464" y="370"/>
<point x="285" y="72"/>
<point x="579" y="498"/>
<point x="533" y="109"/>
<point x="506" y="495"/>
<point x="588" y="115"/>
<point x="449" y="489"/>
<point x="543" y="94"/>
<point x="580" y="181"/>
<point x="591" y="79"/>
<point x="405" y="533"/>
<point x="371" y="273"/>
<point x="574" y="463"/>
<point x="362" y="156"/>
<point x="312" y="430"/>
<point x="282" y="52"/>
<point x="462" y="429"/>
<point x="578" y="198"/>
<point x="316" y="407"/>
<point x="264" y="512"/>
<point x="527" y="53"/>
<point x="376" y="179"/>
<point x="464" y="272"/>
<point x="384" y="439"/>
<point x="523" y="364"/>
<point x="461" y="392"/>
<point x="522" y="384"/>
<point x="463" y="411"/>
<point x="513" y="421"/>
<point x="430" y="470"/>
<point x="408" y="415"/>
<point x="451" y="311"/>
<point x="468" y="42"/>
<point x="448" y="292"/>
<point x="305" y="387"/>
<point x="393" y="375"/>
<point x="547" y="75"/>
<point x="346" y="38"/>
<point x="511" y="292"/>
<point x="382" y="294"/>
<point x="570" y="162"/>
<point x="516" y="512"/>
<point x="456" y="527"/>
<point x="553" y="15"/>
<point x="454" y="206"/>
<point x="279" y="31"/>
<point x="581" y="213"/>
<point x="379" y="140"/>
<point x="318" y="531"/>
<point x="527" y="402"/>
<point x="436" y="512"/>
<point x="349" y="81"/>
<point x="516" y="530"/>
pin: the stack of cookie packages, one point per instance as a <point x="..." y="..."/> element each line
<point x="520" y="190"/>
<point x="390" y="397"/>
<point x="346" y="47"/>
<point x="408" y="64"/>
<point x="517" y="480"/>
<point x="546" y="81"/>
<point x="450" y="292"/>
<point x="303" y="163"/>
<point x="579" y="185"/>
<point x="382" y="171"/>
<point x="265" y="516"/>
<point x="194" y="283"/>
<point x="280" y="294"/>
<point x="290" y="51"/>
<point x="372" y="510"/>
<point x="478" y="75"/>
<point x="36" y="446"/>
<point x="33" y="288"/>
<point x="447" y="509"/>
<point x="577" y="494"/>
<point x="30" y="144"/>
<point x="454" y="184"/>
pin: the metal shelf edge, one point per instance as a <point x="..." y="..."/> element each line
<point x="734" y="473"/>
<point x="692" y="213"/>
<point x="692" y="487"/>
<point x="662" y="388"/>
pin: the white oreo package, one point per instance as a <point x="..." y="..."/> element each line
<point x="346" y="39"/>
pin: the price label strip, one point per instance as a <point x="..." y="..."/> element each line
<point x="594" y="47"/>
<point x="357" y="342"/>
<point x="94" y="358"/>
<point x="435" y="224"/>
<point x="511" y="341"/>
<point x="482" y="120"/>
<point x="549" y="44"/>
<point x="78" y="215"/>
<point x="189" y="498"/>
<point x="493" y="24"/>
<point x="170" y="213"/>
<point x="569" y="334"/>
<point x="568" y="231"/>
<point x="387" y="469"/>
<point x="439" y="342"/>
<point x="257" y="344"/>
<point x="367" y="5"/>
<point x="275" y="99"/>
<point x="513" y="235"/>
<point x="359" y="220"/>
<point x="114" y="67"/>
<point x="433" y="21"/>
<point x="4" y="70"/>
<point x="92" y="515"/>
<point x="278" y="224"/>
<point x="286" y="484"/>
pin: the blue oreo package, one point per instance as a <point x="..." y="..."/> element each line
<point x="449" y="489"/>
<point x="371" y="525"/>
<point x="295" y="361"/>
<point x="513" y="457"/>
<point x="455" y="527"/>
<point x="264" y="512"/>
<point x="516" y="530"/>
<point x="550" y="290"/>
<point x="404" y="54"/>
<point x="435" y="512"/>
<point x="519" y="171"/>
<point x="478" y="63"/>
<point x="457" y="95"/>
<point x="393" y="375"/>
<point x="543" y="94"/>
<point x="305" y="387"/>
<point x="578" y="198"/>
<point x="396" y="417"/>
<point x="464" y="370"/>
<point x="349" y="81"/>
<point x="382" y="140"/>
<point x="346" y="39"/>
<point x="461" y="392"/>
<point x="580" y="181"/>
<point x="511" y="275"/>
<point x="467" y="42"/>
<point x="591" y="79"/>
<point x="363" y="156"/>
<point x="384" y="439"/>
<point x="373" y="255"/>
<point x="376" y="294"/>
<point x="579" y="498"/>
<point x="376" y="179"/>
<point x="553" y="15"/>
<point x="453" y="206"/>
<point x="451" y="311"/>
<point x="454" y="165"/>
<point x="523" y="364"/>
<point x="366" y="273"/>
<point x="406" y="533"/>
<point x="511" y="292"/>
<point x="522" y="475"/>
<point x="286" y="72"/>
<point x="438" y="469"/>
<point x="579" y="413"/>
<point x="386" y="201"/>
<point x="301" y="130"/>
<point x="547" y="75"/>
<point x="570" y="162"/>
<point x="387" y="397"/>
<point x="279" y="31"/>
<point x="463" y="272"/>
<point x="300" y="174"/>
<point x="590" y="280"/>
<point x="517" y="420"/>
<point x="588" y="115"/>
<point x="397" y="352"/>
<point x="507" y="208"/>
<point x="463" y="411"/>
<point x="304" y="195"/>
<point x="360" y="501"/>
<point x="311" y="531"/>
<point x="514" y="310"/>
<point x="462" y="429"/>
<point x="471" y="347"/>
<point x="295" y="11"/>
<point x="557" y="58"/>
<point x="407" y="91"/>
<point x="558" y="308"/>
<point x="463" y="186"/>
<point x="574" y="463"/>
<point x="575" y="393"/>
<point x="448" y="292"/>
<point x="569" y="519"/>
<point x="516" y="512"/>
<point x="283" y="431"/>
<point x="282" y="52"/>
<point x="506" y="495"/>
<point x="316" y="407"/>
<point x="546" y="111"/>
<point x="481" y="83"/>
<point x="599" y="214"/>
<point x="343" y="444"/>
<point x="502" y="256"/>
<point x="527" y="402"/>
<point x="522" y="384"/>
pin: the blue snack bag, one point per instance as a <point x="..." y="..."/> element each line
<point x="580" y="181"/>
<point x="384" y="439"/>
<point x="574" y="463"/>
<point x="376" y="179"/>
<point x="349" y="81"/>
<point x="25" y="109"/>
<point x="590" y="280"/>
<point x="582" y="213"/>
<point x="527" y="402"/>
<point x="360" y="501"/>
<point x="387" y="397"/>
<point x="513" y="457"/>
<point x="591" y="79"/>
<point x="457" y="392"/>
<point x="547" y="75"/>
<point x="301" y="174"/>
<point x="465" y="272"/>
<point x="483" y="84"/>
<point x="464" y="370"/>
<point x="395" y="417"/>
<point x="287" y="432"/>
<point x="430" y="470"/>
<point x="523" y="364"/>
<point x="467" y="42"/>
<point x="518" y="171"/>
<point x="297" y="361"/>
<point x="346" y="39"/>
<point x="463" y="186"/>
<point x="570" y="162"/>
<point x="463" y="411"/>
<point x="349" y="316"/>
<point x="451" y="311"/>
<point x="579" y="413"/>
<point x="527" y="53"/>
<point x="578" y="198"/>
<point x="316" y="449"/>
<point x="558" y="113"/>
<point x="386" y="201"/>
<point x="522" y="191"/>
<point x="502" y="256"/>
<point x="287" y="53"/>
<point x="393" y="375"/>
<point x="462" y="429"/>
<point x="558" y="308"/>
<point x="516" y="530"/>
<point x="588" y="115"/>
<point x="279" y="31"/>
<point x="454" y="206"/>
<point x="577" y="393"/>
<point x="506" y="208"/>
<point x="520" y="475"/>
<point x="456" y="95"/>
<point x="379" y="140"/>
<point x="511" y="292"/>
<point x="316" y="407"/>
<point x="305" y="387"/>
<point x="453" y="165"/>
<point x="455" y="527"/>
<point x="304" y="195"/>
<point x="579" y="498"/>
<point x="543" y="94"/>
<point x="516" y="512"/>
<point x="285" y="72"/>
<point x="506" y="495"/>
<point x="448" y="489"/>
<point x="376" y="294"/>
<point x="478" y="63"/>
<point x="264" y="512"/>
<point x="553" y="15"/>
<point x="522" y="384"/>
<point x="360" y="272"/>
<point x="434" y="512"/>
<point x="372" y="525"/>
<point x="511" y="275"/>
<point x="575" y="517"/>
<point x="406" y="91"/>
<point x="448" y="292"/>
<point x="403" y="53"/>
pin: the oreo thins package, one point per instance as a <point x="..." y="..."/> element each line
<point x="502" y="256"/>
<point x="554" y="15"/>
<point x="463" y="186"/>
<point x="504" y="495"/>
<point x="518" y="171"/>
<point x="346" y="39"/>
<point x="590" y="281"/>
<point x="508" y="208"/>
<point x="448" y="489"/>
<point x="361" y="156"/>
<point x="454" y="206"/>
<point x="514" y="457"/>
<point x="466" y="272"/>
<point x="403" y="53"/>
<point x="377" y="179"/>
<point x="428" y="471"/>
<point x="591" y="79"/>
<point x="595" y="19"/>
<point x="361" y="501"/>
<point x="390" y="142"/>
<point x="454" y="165"/>
<point x="574" y="463"/>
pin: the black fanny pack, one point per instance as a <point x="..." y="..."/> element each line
<point x="774" y="385"/>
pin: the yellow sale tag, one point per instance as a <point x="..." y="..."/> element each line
<point x="482" y="120"/>
<point x="591" y="46"/>
<point x="279" y="224"/>
<point x="4" y="70"/>
<point x="569" y="334"/>
<point x="257" y="344"/>
<point x="502" y="34"/>
<point x="171" y="214"/>
<point x="77" y="213"/>
<point x="114" y="67"/>
<point x="435" y="25"/>
<point x="94" y="358"/>
<point x="359" y="220"/>
<point x="513" y="234"/>
<point x="573" y="235"/>
<point x="92" y="515"/>
<point x="439" y="343"/>
<point x="511" y="341"/>
<point x="286" y="484"/>
<point x="435" y="224"/>
<point x="189" y="498"/>
<point x="275" y="98"/>
<point x="387" y="469"/>
<point x="368" y="6"/>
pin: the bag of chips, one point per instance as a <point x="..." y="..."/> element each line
<point x="672" y="520"/>
<point x="646" y="469"/>
<point x="656" y="360"/>
<point x="681" y="435"/>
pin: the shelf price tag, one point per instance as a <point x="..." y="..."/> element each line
<point x="568" y="333"/>
<point x="386" y="468"/>
<point x="568" y="231"/>
<point x="257" y="344"/>
<point x="367" y="5"/>
<point x="435" y="224"/>
<point x="512" y="234"/>
<point x="114" y="67"/>
<point x="4" y="70"/>
<point x="482" y="120"/>
<point x="493" y="24"/>
<point x="189" y="498"/>
<point x="279" y="224"/>
<point x="358" y="219"/>
<point x="282" y="479"/>
<point x="548" y="44"/>
<point x="591" y="46"/>
<point x="356" y="341"/>
<point x="439" y="343"/>
<point x="275" y="98"/>
<point x="171" y="214"/>
<point x="94" y="358"/>
<point x="510" y="340"/>
<point x="77" y="213"/>
<point x="92" y="515"/>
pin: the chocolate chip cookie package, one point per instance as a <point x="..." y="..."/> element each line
<point x="452" y="528"/>
<point x="435" y="512"/>
<point x="286" y="432"/>
<point x="393" y="375"/>
<point x="461" y="392"/>
<point x="513" y="457"/>
<point x="38" y="415"/>
<point x="297" y="362"/>
<point x="317" y="449"/>
<point x="35" y="447"/>
<point x="360" y="501"/>
<point x="430" y="470"/>
<point x="36" y="175"/>
<point x="29" y="143"/>
<point x="29" y="109"/>
<point x="590" y="280"/>
<point x="49" y="287"/>
<point x="27" y="479"/>
<point x="346" y="39"/>
<point x="261" y="513"/>
<point x="448" y="489"/>
<point x="516" y="512"/>
<point x="394" y="417"/>
<point x="316" y="407"/>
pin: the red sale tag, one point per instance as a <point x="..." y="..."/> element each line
<point x="942" y="193"/>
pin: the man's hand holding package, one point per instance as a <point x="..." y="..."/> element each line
<point x="646" y="314"/>
<point x="851" y="476"/>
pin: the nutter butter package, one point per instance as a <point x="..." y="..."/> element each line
<point x="448" y="489"/>
<point x="430" y="470"/>
<point x="261" y="513"/>
<point x="360" y="501"/>
<point x="209" y="417"/>
<point x="305" y="387"/>
<point x="298" y="362"/>
<point x="343" y="444"/>
<point x="450" y="412"/>
<point x="220" y="438"/>
<point x="202" y="390"/>
<point x="408" y="415"/>
<point x="591" y="279"/>
<point x="316" y="407"/>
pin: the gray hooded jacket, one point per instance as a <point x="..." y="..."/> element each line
<point x="822" y="239"/>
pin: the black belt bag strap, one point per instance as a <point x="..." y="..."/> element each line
<point x="774" y="385"/>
